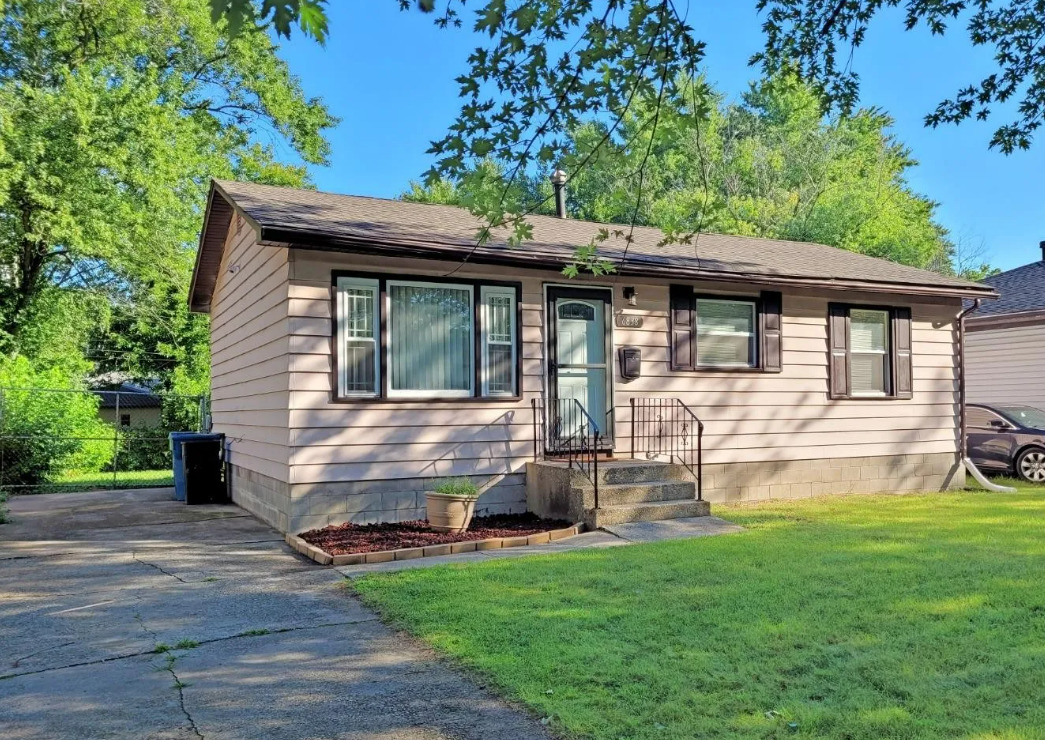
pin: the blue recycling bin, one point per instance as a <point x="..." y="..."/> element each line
<point x="178" y="458"/>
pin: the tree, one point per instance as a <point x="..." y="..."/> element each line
<point x="817" y="37"/>
<point x="549" y="62"/>
<point x="113" y="116"/>
<point x="771" y="165"/>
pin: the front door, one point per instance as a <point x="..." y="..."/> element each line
<point x="579" y="370"/>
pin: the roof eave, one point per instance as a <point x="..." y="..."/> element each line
<point x="1011" y="320"/>
<point x="295" y="238"/>
<point x="212" y="243"/>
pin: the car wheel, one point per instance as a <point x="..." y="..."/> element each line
<point x="1030" y="465"/>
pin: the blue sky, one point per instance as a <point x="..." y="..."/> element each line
<point x="389" y="75"/>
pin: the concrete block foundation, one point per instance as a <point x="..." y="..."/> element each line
<point x="299" y="507"/>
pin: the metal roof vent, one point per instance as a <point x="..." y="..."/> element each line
<point x="559" y="183"/>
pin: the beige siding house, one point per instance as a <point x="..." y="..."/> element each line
<point x="1005" y="340"/>
<point x="363" y="349"/>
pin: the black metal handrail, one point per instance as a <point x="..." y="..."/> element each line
<point x="570" y="432"/>
<point x="665" y="427"/>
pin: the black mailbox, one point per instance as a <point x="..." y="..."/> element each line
<point x="630" y="363"/>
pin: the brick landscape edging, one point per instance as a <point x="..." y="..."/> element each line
<point x="427" y="551"/>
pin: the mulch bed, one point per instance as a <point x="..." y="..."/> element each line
<point x="344" y="539"/>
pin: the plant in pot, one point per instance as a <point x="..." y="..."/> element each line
<point x="451" y="505"/>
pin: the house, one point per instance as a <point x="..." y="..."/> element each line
<point x="129" y="405"/>
<point x="1005" y="340"/>
<point x="363" y="348"/>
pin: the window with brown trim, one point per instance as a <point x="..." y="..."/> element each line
<point x="723" y="333"/>
<point x="404" y="338"/>
<point x="870" y="352"/>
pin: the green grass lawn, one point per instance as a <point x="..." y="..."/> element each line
<point x="124" y="479"/>
<point x="854" y="617"/>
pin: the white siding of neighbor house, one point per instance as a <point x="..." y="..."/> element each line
<point x="1006" y="365"/>
<point x="249" y="353"/>
<point x="149" y="417"/>
<point x="749" y="417"/>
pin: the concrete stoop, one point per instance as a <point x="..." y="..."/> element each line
<point x="629" y="491"/>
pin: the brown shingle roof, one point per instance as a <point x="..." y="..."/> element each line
<point x="312" y="219"/>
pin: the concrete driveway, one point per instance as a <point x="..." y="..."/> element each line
<point x="255" y="642"/>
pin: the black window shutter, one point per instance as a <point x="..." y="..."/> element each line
<point x="838" y="350"/>
<point x="903" y="372"/>
<point x="683" y="331"/>
<point x="772" y="307"/>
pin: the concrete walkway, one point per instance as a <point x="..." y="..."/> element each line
<point x="614" y="536"/>
<point x="263" y="644"/>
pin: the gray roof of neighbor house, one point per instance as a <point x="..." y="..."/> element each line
<point x="315" y="220"/>
<point x="132" y="396"/>
<point x="1022" y="289"/>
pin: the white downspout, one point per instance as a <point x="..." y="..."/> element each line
<point x="979" y="477"/>
<point x="970" y="466"/>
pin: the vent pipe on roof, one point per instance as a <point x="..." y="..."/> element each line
<point x="1042" y="245"/>
<point x="559" y="183"/>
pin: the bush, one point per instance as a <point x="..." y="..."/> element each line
<point x="45" y="433"/>
<point x="144" y="448"/>
<point x="458" y="487"/>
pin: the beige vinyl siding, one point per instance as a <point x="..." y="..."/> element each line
<point x="758" y="417"/>
<point x="749" y="417"/>
<point x="249" y="353"/>
<point x="381" y="440"/>
<point x="1006" y="365"/>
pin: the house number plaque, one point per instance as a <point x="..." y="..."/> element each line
<point x="629" y="321"/>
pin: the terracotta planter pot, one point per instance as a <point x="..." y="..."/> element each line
<point x="447" y="513"/>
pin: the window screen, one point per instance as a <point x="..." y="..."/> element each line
<point x="430" y="348"/>
<point x="869" y="350"/>
<point x="725" y="333"/>
<point x="358" y="350"/>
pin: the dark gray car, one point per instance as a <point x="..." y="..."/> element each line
<point x="1007" y="439"/>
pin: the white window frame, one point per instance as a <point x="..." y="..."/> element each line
<point x="406" y="393"/>
<point x="485" y="293"/>
<point x="752" y="336"/>
<point x="343" y="284"/>
<point x="885" y="354"/>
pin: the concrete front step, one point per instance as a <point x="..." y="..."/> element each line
<point x="620" y="472"/>
<point x="614" y="494"/>
<point x="646" y="512"/>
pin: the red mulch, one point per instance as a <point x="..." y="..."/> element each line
<point x="345" y="539"/>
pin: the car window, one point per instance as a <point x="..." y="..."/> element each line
<point x="979" y="418"/>
<point x="1027" y="416"/>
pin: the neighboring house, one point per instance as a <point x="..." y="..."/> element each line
<point x="1005" y="340"/>
<point x="363" y="348"/>
<point x="129" y="405"/>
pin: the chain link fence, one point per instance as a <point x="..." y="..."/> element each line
<point x="80" y="440"/>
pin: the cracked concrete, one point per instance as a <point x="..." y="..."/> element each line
<point x="91" y="584"/>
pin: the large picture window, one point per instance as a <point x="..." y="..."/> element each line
<point x="430" y="342"/>
<point x="402" y="339"/>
